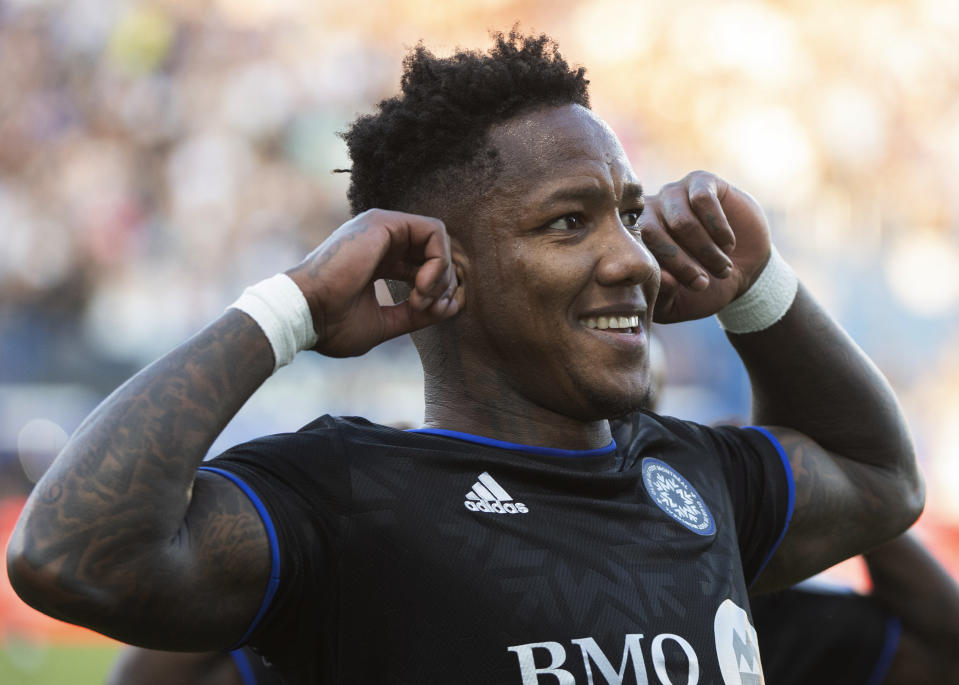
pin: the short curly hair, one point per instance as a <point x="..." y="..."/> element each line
<point x="432" y="138"/>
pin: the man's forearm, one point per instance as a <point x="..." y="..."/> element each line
<point x="123" y="481"/>
<point x="808" y="375"/>
<point x="854" y="470"/>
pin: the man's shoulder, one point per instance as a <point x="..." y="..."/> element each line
<point x="645" y="433"/>
<point x="325" y="428"/>
<point x="322" y="439"/>
<point x="354" y="432"/>
<point x="645" y="428"/>
<point x="329" y="422"/>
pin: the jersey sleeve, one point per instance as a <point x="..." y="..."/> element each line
<point x="300" y="486"/>
<point x="760" y="483"/>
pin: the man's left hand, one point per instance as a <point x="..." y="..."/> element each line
<point x="711" y="240"/>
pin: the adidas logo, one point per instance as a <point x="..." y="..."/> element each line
<point x="489" y="496"/>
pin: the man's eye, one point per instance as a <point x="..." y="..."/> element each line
<point x="566" y="223"/>
<point x="630" y="217"/>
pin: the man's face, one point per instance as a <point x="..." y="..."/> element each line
<point x="559" y="286"/>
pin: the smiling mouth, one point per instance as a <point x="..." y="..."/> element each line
<point x="615" y="324"/>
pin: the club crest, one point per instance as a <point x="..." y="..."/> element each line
<point x="673" y="494"/>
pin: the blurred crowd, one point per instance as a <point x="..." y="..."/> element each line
<point x="158" y="156"/>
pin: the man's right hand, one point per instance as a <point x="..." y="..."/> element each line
<point x="337" y="279"/>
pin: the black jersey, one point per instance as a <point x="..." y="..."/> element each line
<point x="810" y="634"/>
<point x="417" y="558"/>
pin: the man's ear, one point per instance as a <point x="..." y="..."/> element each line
<point x="461" y="264"/>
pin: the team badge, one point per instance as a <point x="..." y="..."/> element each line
<point x="673" y="494"/>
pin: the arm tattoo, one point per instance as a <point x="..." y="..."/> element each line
<point x="109" y="514"/>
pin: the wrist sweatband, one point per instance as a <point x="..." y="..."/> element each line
<point x="766" y="301"/>
<point x="280" y="309"/>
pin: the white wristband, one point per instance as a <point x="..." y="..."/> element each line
<point x="766" y="301"/>
<point x="280" y="309"/>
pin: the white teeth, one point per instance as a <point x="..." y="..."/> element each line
<point x="615" y="322"/>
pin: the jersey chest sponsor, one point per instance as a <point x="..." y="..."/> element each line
<point x="646" y="660"/>
<point x="643" y="661"/>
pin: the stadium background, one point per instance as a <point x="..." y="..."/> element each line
<point x="157" y="156"/>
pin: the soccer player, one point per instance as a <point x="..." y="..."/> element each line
<point x="508" y="540"/>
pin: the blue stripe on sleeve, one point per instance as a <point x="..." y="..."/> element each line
<point x="790" y="505"/>
<point x="274" y="550"/>
<point x="889" y="648"/>
<point x="247" y="676"/>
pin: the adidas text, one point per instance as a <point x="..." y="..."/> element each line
<point x="497" y="507"/>
<point x="489" y="496"/>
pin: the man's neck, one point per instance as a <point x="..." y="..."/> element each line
<point x="512" y="420"/>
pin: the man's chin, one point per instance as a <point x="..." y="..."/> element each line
<point x="616" y="406"/>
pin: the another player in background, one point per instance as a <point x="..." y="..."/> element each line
<point x="905" y="632"/>
<point x="509" y="539"/>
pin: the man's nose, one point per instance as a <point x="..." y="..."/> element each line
<point x="623" y="258"/>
